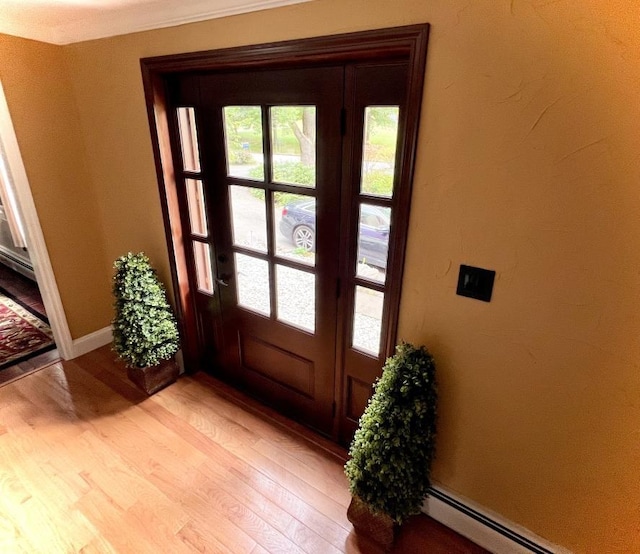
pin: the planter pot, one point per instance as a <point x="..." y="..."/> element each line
<point x="153" y="378"/>
<point x="378" y="528"/>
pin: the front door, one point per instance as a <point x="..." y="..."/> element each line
<point x="270" y="163"/>
<point x="287" y="195"/>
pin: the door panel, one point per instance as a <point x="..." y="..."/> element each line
<point x="281" y="366"/>
<point x="372" y="194"/>
<point x="271" y="144"/>
<point x="193" y="199"/>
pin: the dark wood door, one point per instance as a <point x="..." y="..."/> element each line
<point x="294" y="212"/>
<point x="270" y="147"/>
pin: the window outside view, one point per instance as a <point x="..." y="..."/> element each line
<point x="293" y="150"/>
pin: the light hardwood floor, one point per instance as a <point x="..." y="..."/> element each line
<point x="89" y="464"/>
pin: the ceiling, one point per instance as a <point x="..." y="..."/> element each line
<point x="68" y="21"/>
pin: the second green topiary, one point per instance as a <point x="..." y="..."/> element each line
<point x="391" y="453"/>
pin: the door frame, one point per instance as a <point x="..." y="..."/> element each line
<point x="407" y="44"/>
<point x="34" y="236"/>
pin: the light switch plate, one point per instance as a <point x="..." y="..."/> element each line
<point x="474" y="282"/>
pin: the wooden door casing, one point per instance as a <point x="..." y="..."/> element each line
<point x="404" y="45"/>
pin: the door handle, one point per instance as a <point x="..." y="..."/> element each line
<point x="223" y="280"/>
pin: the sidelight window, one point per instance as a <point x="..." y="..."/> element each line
<point x="196" y="206"/>
<point x="375" y="198"/>
<point x="189" y="139"/>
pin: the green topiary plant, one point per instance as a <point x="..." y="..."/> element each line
<point x="394" y="444"/>
<point x="144" y="329"/>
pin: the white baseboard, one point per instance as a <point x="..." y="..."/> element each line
<point x="483" y="527"/>
<point x="91" y="342"/>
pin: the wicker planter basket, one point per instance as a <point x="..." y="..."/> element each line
<point x="378" y="528"/>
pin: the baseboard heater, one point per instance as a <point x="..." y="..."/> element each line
<point x="486" y="530"/>
<point x="19" y="264"/>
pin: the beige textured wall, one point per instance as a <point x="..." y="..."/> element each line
<point x="44" y="114"/>
<point x="528" y="163"/>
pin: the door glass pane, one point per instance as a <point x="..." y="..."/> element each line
<point x="248" y="217"/>
<point x="294" y="218"/>
<point x="188" y="139"/>
<point x="204" y="275"/>
<point x="373" y="242"/>
<point x="379" y="149"/>
<point x="293" y="145"/>
<point x="243" y="142"/>
<point x="252" y="279"/>
<point x="296" y="292"/>
<point x="197" y="216"/>
<point x="367" y="320"/>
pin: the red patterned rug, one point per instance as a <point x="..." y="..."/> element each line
<point x="23" y="332"/>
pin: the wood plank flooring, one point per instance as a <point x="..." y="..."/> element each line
<point x="21" y="369"/>
<point x="89" y="464"/>
<point x="21" y="288"/>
